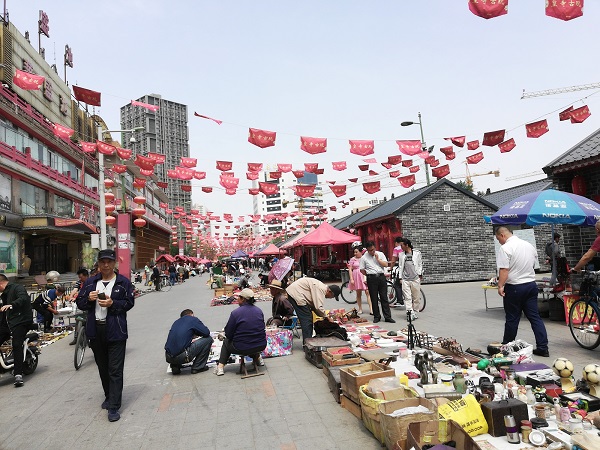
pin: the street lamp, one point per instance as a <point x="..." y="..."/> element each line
<point x="423" y="145"/>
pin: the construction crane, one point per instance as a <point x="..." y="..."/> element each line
<point x="581" y="87"/>
<point x="526" y="175"/>
<point x="468" y="175"/>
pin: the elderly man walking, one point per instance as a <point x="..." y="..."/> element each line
<point x="516" y="283"/>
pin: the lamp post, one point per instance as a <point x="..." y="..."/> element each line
<point x="423" y="145"/>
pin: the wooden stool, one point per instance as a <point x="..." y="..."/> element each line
<point x="254" y="363"/>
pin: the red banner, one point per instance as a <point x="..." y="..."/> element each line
<point x="183" y="173"/>
<point x="578" y="115"/>
<point x="423" y="155"/>
<point x="414" y="169"/>
<point x="255" y="167"/>
<point x="298" y="173"/>
<point x="363" y="167"/>
<point x="507" y="145"/>
<point x="459" y="141"/>
<point x="339" y="165"/>
<point x="275" y="175"/>
<point x="171" y="173"/>
<point x="261" y="138"/>
<point x="370" y="160"/>
<point x="386" y="165"/>
<point x="473" y="145"/>
<point x="352" y="180"/>
<point x="394" y="159"/>
<point x="371" y="187"/>
<point x="566" y="114"/>
<point x="163" y="205"/>
<point x="153" y="108"/>
<point x="394" y="173"/>
<point x="87" y="147"/>
<point x="536" y="129"/>
<point x="28" y="81"/>
<point x="86" y="96"/>
<point x="304" y="190"/>
<point x="253" y="191"/>
<point x="313" y="145"/>
<point x="229" y="182"/>
<point x="372" y="173"/>
<point x="209" y="118"/>
<point x="231" y="191"/>
<point x="434" y="163"/>
<point x="493" y="138"/>
<point x="407" y="181"/>
<point x="207" y="189"/>
<point x="311" y="167"/>
<point x="268" y="188"/>
<point x="564" y="9"/>
<point x="144" y="162"/>
<point x="338" y="190"/>
<point x="157" y="158"/>
<point x="407" y="163"/>
<point x="450" y="156"/>
<point x="362" y="148"/>
<point x="488" y="9"/>
<point x="409" y="148"/>
<point x="146" y="173"/>
<point x="186" y="188"/>
<point x="252" y="175"/>
<point x="446" y="150"/>
<point x="105" y="149"/>
<point x="441" y="172"/>
<point x="199" y="175"/>
<point x="224" y="165"/>
<point x="429" y="159"/>
<point x="119" y="168"/>
<point x="124" y="153"/>
<point x="188" y="162"/>
<point x="62" y="131"/>
<point x="474" y="159"/>
<point x="162" y="184"/>
<point x="285" y="168"/>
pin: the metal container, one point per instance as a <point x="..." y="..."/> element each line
<point x="512" y="431"/>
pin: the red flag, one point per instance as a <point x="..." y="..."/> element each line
<point x="62" y="131"/>
<point x="333" y="208"/>
<point x="450" y="156"/>
<point x="184" y="173"/>
<point x="105" y="149"/>
<point x="313" y="145"/>
<point x="440" y="172"/>
<point x="285" y="168"/>
<point x="253" y="191"/>
<point x="87" y="147"/>
<point x="414" y="169"/>
<point x="446" y="150"/>
<point x="331" y="182"/>
<point x="434" y="163"/>
<point x="311" y="167"/>
<point x="423" y="155"/>
<point x="28" y="81"/>
<point x="370" y="160"/>
<point x="493" y="138"/>
<point x="224" y="165"/>
<point x="231" y="191"/>
<point x="459" y="141"/>
<point x="186" y="188"/>
<point x="319" y="171"/>
<point x="255" y="167"/>
<point x="157" y="158"/>
<point x="536" y="129"/>
<point x="407" y="181"/>
<point x="371" y="187"/>
<point x="229" y="182"/>
<point x="252" y="175"/>
<point x="172" y="174"/>
<point x="146" y="173"/>
<point x="275" y="175"/>
<point x="409" y="148"/>
<point x="488" y="9"/>
<point x="199" y="175"/>
<point x="153" y="108"/>
<point x="339" y="165"/>
<point x="407" y="163"/>
<point x="86" y="96"/>
<point x="124" y="153"/>
<point x="188" y="162"/>
<point x="362" y="148"/>
<point x="143" y="162"/>
<point x="394" y="159"/>
<point x="394" y="173"/>
<point x="473" y="145"/>
<point x="474" y="159"/>
<point x="162" y="184"/>
<point x="372" y="173"/>
<point x="268" y="188"/>
<point x="209" y="118"/>
<point x="564" y="10"/>
<point x="363" y="167"/>
<point x="429" y="159"/>
<point x="507" y="145"/>
<point x="119" y="168"/>
<point x="261" y="138"/>
<point x="304" y="190"/>
<point x="352" y="180"/>
<point x="163" y="205"/>
<point x="207" y="189"/>
<point x="566" y="114"/>
<point x="578" y="115"/>
<point x="298" y="173"/>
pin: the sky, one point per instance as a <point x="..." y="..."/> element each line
<point x="336" y="69"/>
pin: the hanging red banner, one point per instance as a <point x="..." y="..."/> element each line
<point x="394" y="159"/>
<point x="311" y="167"/>
<point x="229" y="182"/>
<point x="493" y="138"/>
<point x="149" y="107"/>
<point x="252" y="175"/>
<point x="386" y="165"/>
<point x="157" y="158"/>
<point x="105" y="149"/>
<point x="459" y="141"/>
<point x="423" y="155"/>
<point x="407" y="163"/>
<point x="172" y="174"/>
<point x="86" y="96"/>
<point x="139" y="182"/>
<point x="409" y="148"/>
<point x="333" y="208"/>
<point x="578" y="115"/>
<point x="28" y="81"/>
<point x="209" y="118"/>
<point x="473" y="145"/>
<point x="87" y="147"/>
<point x="446" y="150"/>
<point x="298" y="173"/>
<point x="124" y="153"/>
<point x="261" y="138"/>
<point x="371" y="187"/>
<point x="162" y="184"/>
<point x="450" y="156"/>
<point x="230" y="191"/>
<point x="163" y="205"/>
<point x="394" y="173"/>
<point x="275" y="175"/>
<point x="224" y="165"/>
<point x="488" y="9"/>
<point x="268" y="188"/>
<point x="186" y="188"/>
<point x="434" y="163"/>
<point x="183" y="173"/>
<point x="352" y="180"/>
<point x="253" y="191"/>
<point x="207" y="189"/>
<point x="474" y="159"/>
<point x="429" y="159"/>
<point x="189" y="162"/>
<point x="414" y="169"/>
<point x="362" y="148"/>
<point x="370" y="160"/>
<point x="564" y="10"/>
<point x="339" y="165"/>
<point x="363" y="167"/>
<point x="62" y="131"/>
<point x="119" y="168"/>
<point x="566" y="114"/>
<point x="199" y="175"/>
<point x="304" y="190"/>
<point x="372" y="173"/>
<point x="536" y="129"/>
<point x="285" y="168"/>
<point x="507" y="145"/>
<point x="313" y="145"/>
<point x="144" y="162"/>
<point x="440" y="172"/>
<point x="255" y="167"/>
<point x="179" y="209"/>
<point x="338" y="190"/>
<point x="407" y="181"/>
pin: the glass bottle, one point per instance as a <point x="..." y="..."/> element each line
<point x="459" y="383"/>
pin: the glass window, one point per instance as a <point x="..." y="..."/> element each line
<point x="63" y="207"/>
<point x="33" y="200"/>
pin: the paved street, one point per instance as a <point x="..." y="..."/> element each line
<point x="288" y="408"/>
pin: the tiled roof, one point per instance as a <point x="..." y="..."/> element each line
<point x="349" y="220"/>
<point x="587" y="149"/>
<point x="504" y="196"/>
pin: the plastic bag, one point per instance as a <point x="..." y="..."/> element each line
<point x="519" y="351"/>
<point x="467" y="413"/>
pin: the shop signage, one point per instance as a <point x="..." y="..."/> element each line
<point x="44" y="24"/>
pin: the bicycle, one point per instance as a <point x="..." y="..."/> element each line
<point x="393" y="292"/>
<point x="81" y="342"/>
<point x="584" y="314"/>
<point x="165" y="283"/>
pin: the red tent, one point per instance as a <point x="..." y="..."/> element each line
<point x="165" y="257"/>
<point x="325" y="234"/>
<point x="270" y="249"/>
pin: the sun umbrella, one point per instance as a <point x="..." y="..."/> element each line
<point x="280" y="268"/>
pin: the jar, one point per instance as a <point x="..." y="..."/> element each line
<point x="459" y="383"/>
<point x="447" y="379"/>
<point x="575" y="425"/>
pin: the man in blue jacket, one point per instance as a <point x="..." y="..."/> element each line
<point x="107" y="297"/>
<point x="188" y="341"/>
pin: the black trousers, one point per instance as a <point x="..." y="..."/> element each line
<point x="18" y="337"/>
<point x="110" y="359"/>
<point x="48" y="316"/>
<point x="377" y="285"/>
<point x="228" y="349"/>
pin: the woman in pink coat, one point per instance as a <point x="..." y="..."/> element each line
<point x="357" y="280"/>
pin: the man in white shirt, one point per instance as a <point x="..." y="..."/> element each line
<point x="372" y="265"/>
<point x="516" y="283"/>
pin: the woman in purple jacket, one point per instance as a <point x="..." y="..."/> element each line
<point x="245" y="333"/>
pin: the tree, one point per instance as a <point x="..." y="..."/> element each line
<point x="466" y="186"/>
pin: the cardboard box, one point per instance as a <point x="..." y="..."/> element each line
<point x="394" y="429"/>
<point x="494" y="413"/>
<point x="332" y="359"/>
<point x="353" y="377"/>
<point x="387" y="390"/>
<point x="354" y="408"/>
<point x="314" y="347"/>
<point x="438" y="431"/>
<point x="334" y="383"/>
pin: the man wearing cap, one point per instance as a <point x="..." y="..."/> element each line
<point x="282" y="310"/>
<point x="188" y="341"/>
<point x="307" y="295"/>
<point x="107" y="297"/>
<point x="16" y="320"/>
<point x="245" y="333"/>
<point x="44" y="305"/>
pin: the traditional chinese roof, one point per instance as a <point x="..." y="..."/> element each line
<point x="583" y="154"/>
<point x="504" y="196"/>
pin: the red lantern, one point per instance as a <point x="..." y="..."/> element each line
<point x="110" y="208"/>
<point x="111" y="221"/>
<point x="140" y="200"/>
<point x="109" y="183"/>
<point x="578" y="185"/>
<point x="139" y="222"/>
<point x="138" y="212"/>
<point x="109" y="197"/>
<point x="138" y="185"/>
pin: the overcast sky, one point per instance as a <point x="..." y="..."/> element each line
<point x="336" y="69"/>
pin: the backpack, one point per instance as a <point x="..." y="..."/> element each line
<point x="548" y="249"/>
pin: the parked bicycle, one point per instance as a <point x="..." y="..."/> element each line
<point x="584" y="314"/>
<point x="395" y="292"/>
<point x="82" y="341"/>
<point x="165" y="284"/>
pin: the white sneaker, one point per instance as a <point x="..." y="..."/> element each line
<point x="219" y="371"/>
<point x="413" y="315"/>
<point x="260" y="361"/>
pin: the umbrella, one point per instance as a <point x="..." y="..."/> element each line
<point x="280" y="268"/>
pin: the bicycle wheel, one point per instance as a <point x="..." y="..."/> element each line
<point x="584" y="324"/>
<point x="391" y="293"/>
<point x="422" y="303"/>
<point x="349" y="296"/>
<point x="165" y="285"/>
<point x="80" y="348"/>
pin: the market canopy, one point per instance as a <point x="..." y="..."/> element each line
<point x="296" y="238"/>
<point x="325" y="234"/>
<point x="165" y="257"/>
<point x="239" y="254"/>
<point x="270" y="249"/>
